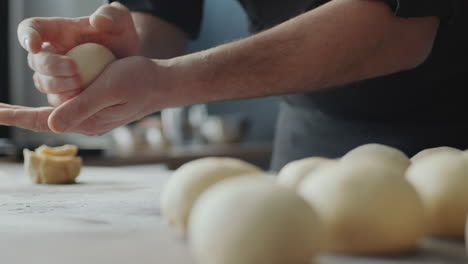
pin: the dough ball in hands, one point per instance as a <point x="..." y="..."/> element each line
<point x="252" y="220"/>
<point x="49" y="165"/>
<point x="366" y="209"/>
<point x="294" y="172"/>
<point x="379" y="153"/>
<point x="442" y="182"/>
<point x="192" y="179"/>
<point x="91" y="59"/>
<point x="427" y="152"/>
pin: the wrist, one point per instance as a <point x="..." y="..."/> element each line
<point x="181" y="81"/>
<point x="174" y="83"/>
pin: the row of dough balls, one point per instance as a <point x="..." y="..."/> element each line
<point x="233" y="212"/>
<point x="439" y="177"/>
<point x="361" y="204"/>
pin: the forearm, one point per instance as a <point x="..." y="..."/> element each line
<point x="158" y="39"/>
<point x="338" y="43"/>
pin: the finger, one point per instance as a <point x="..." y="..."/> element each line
<point x="51" y="64"/>
<point x="26" y="117"/>
<point x="106" y="120"/>
<point x="3" y="106"/>
<point x="33" y="32"/>
<point x="58" y="99"/>
<point x="80" y="108"/>
<point x="109" y="18"/>
<point x="29" y="35"/>
<point x="55" y="85"/>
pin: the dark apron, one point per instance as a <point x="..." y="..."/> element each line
<point x="304" y="133"/>
<point x="411" y="110"/>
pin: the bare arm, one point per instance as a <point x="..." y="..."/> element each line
<point x="340" y="42"/>
<point x="158" y="39"/>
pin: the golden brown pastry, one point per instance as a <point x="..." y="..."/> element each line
<point x="52" y="165"/>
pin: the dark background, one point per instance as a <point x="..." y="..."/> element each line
<point x="4" y="97"/>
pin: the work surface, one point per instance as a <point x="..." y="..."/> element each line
<point x="112" y="216"/>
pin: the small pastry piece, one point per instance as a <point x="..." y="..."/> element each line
<point x="48" y="165"/>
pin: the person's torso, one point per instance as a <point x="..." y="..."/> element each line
<point x="437" y="90"/>
<point x="410" y="110"/>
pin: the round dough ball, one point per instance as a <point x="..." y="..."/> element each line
<point x="294" y="172"/>
<point x="427" y="152"/>
<point x="192" y="179"/>
<point x="91" y="59"/>
<point x="366" y="209"/>
<point x="252" y="221"/>
<point x="380" y="154"/>
<point x="441" y="180"/>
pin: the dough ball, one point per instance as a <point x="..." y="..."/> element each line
<point x="441" y="180"/>
<point x="294" y="172"/>
<point x="193" y="178"/>
<point x="48" y="165"/>
<point x="91" y="59"/>
<point x="380" y="154"/>
<point x="366" y="209"/>
<point x="427" y="152"/>
<point x="252" y="221"/>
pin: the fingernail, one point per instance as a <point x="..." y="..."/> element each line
<point x="64" y="69"/>
<point x="27" y="44"/>
<point x="107" y="17"/>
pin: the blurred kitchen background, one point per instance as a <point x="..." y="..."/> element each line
<point x="242" y="128"/>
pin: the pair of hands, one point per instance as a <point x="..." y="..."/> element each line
<point x="121" y="94"/>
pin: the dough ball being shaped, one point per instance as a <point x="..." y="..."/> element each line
<point x="48" y="165"/>
<point x="91" y="59"/>
<point x="427" y="152"/>
<point x="441" y="180"/>
<point x="192" y="179"/>
<point x="294" y="172"/>
<point x="366" y="209"/>
<point x="252" y="220"/>
<point x="379" y="153"/>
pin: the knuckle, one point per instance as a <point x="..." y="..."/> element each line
<point x="37" y="122"/>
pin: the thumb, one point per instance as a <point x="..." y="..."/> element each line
<point x="78" y="109"/>
<point x="112" y="18"/>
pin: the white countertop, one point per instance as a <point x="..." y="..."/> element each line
<point x="112" y="216"/>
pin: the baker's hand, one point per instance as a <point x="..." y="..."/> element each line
<point x="47" y="39"/>
<point x="127" y="90"/>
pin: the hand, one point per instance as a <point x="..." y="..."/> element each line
<point x="127" y="90"/>
<point x="47" y="39"/>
